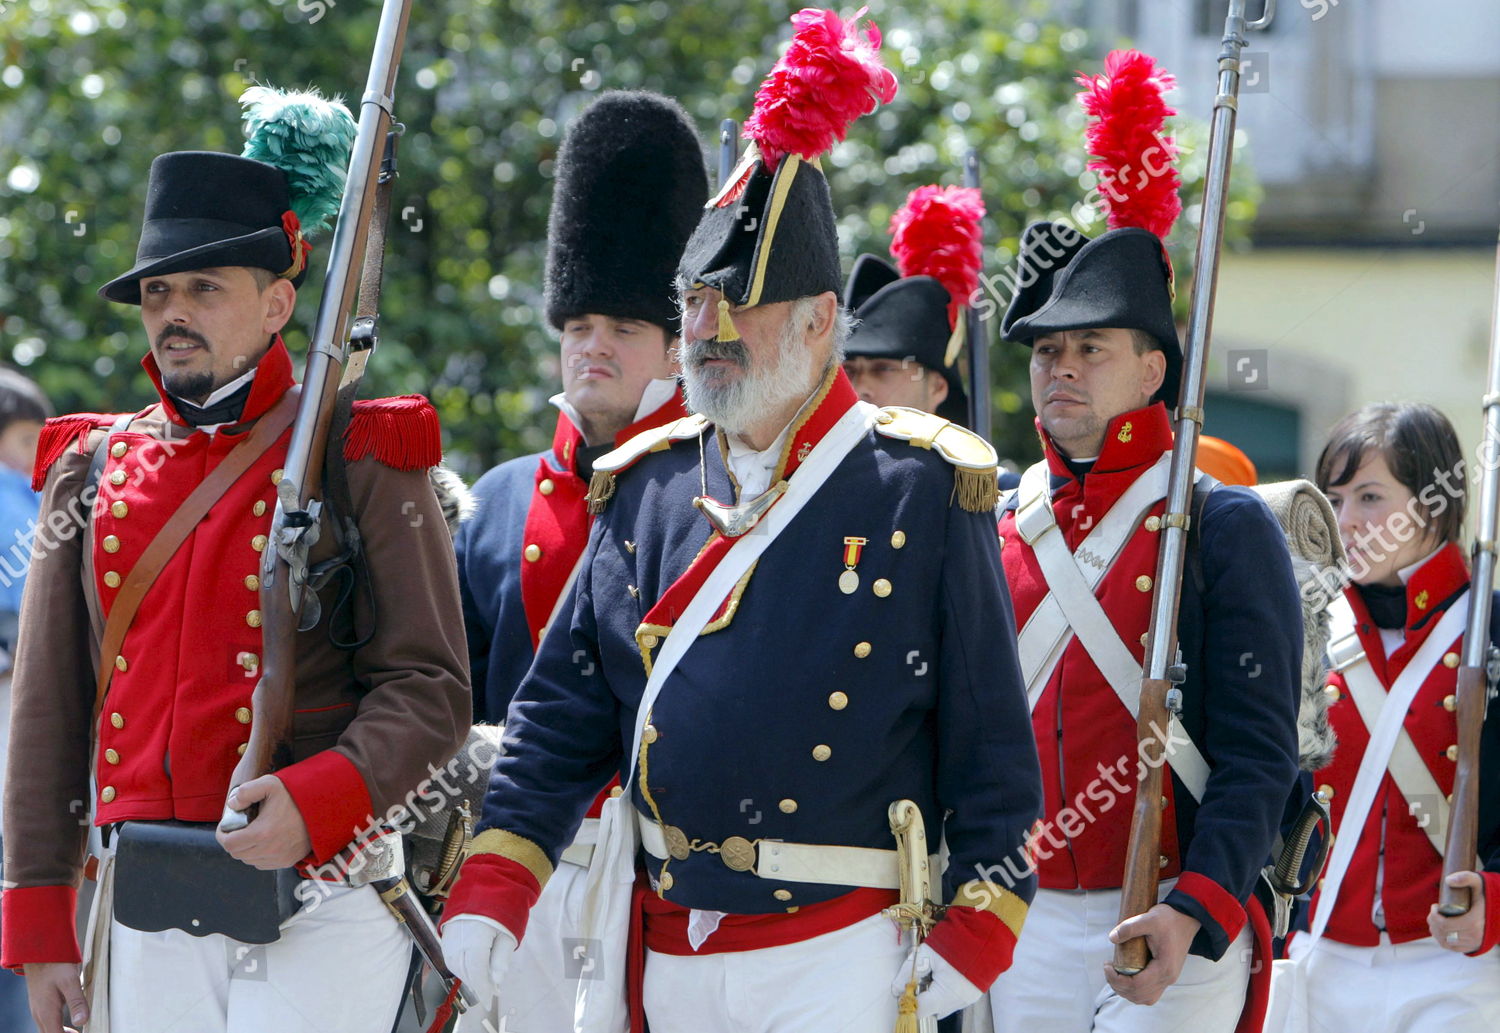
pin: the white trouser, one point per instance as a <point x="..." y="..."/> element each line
<point x="338" y="968"/>
<point x="1056" y="982"/>
<point x="840" y="981"/>
<point x="1415" y="987"/>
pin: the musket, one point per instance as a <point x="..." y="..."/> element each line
<point x="1472" y="694"/>
<point x="1163" y="673"/>
<point x="729" y="148"/>
<point x="976" y="329"/>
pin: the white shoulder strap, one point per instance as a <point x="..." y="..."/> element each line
<point x="1383" y="718"/>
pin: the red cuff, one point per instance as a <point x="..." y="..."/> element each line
<point x="494" y="887"/>
<point x="975" y="942"/>
<point x="1216" y="909"/>
<point x="38" y="925"/>
<point x="331" y="796"/>
<point x="1491" y="913"/>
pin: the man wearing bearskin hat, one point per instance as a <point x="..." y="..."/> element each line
<point x="764" y="734"/>
<point x="1080" y="539"/>
<point x="630" y="185"/>
<point x="909" y="317"/>
<point x="222" y="251"/>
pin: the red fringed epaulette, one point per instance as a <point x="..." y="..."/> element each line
<point x="402" y="433"/>
<point x="57" y="434"/>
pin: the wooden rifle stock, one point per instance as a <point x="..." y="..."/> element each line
<point x="1163" y="666"/>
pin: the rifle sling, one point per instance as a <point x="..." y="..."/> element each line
<point x="175" y="531"/>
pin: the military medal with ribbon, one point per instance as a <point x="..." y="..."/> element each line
<point x="849" y="579"/>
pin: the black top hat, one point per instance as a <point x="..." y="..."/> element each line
<point x="767" y="237"/>
<point x="631" y="183"/>
<point x="1066" y="281"/>
<point x="205" y="209"/>
<point x="903" y="318"/>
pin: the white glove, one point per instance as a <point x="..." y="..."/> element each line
<point x="478" y="950"/>
<point x="941" y="988"/>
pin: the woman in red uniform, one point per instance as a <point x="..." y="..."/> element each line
<point x="1378" y="955"/>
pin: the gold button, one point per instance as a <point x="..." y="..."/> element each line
<point x="1450" y="660"/>
<point x="118" y="449"/>
<point x="649" y="734"/>
<point x="249" y="661"/>
<point x="112" y="579"/>
<point x="546" y="486"/>
<point x="788" y="806"/>
<point x="1326" y="792"/>
<point x="258" y="543"/>
<point x="649" y="641"/>
<point x="616" y="792"/>
<point x="782" y="894"/>
<point x="1332" y="692"/>
<point x="898" y="539"/>
<point x="276" y="476"/>
<point x="1451" y="753"/>
<point x="112" y="756"/>
<point x="1165" y="803"/>
<point x="242" y="715"/>
<point x="1163" y="861"/>
<point x="120" y="663"/>
<point x="117" y="478"/>
<point x="259" y="509"/>
<point x="119" y="510"/>
<point x="1450" y="703"/>
<point x="1449" y="798"/>
<point x="862" y="650"/>
<point x="241" y="748"/>
<point x="1145" y="637"/>
<point x="1153" y="523"/>
<point x="1143" y="583"/>
<point x="533" y="552"/>
<point x="107" y="794"/>
<point x="252" y="582"/>
<point x="117" y="719"/>
<point x="821" y="752"/>
<point x="111" y="543"/>
<point x="253" y="618"/>
<point x="838" y="701"/>
<point x="881" y="588"/>
<point x="1002" y="541"/>
<point x="667" y="881"/>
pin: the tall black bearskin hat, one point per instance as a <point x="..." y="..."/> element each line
<point x="769" y="234"/>
<point x="631" y="182"/>
<point x="205" y="209"/>
<point x="915" y="310"/>
<point x="1123" y="278"/>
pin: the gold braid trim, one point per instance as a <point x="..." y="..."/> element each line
<point x="601" y="490"/>
<point x="977" y="491"/>
<point x="514" y="848"/>
<point x="997" y="900"/>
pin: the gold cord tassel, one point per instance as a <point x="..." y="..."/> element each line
<point x="727" y="332"/>
<point x="977" y="491"/>
<point x="906" y="1008"/>
<point x="601" y="489"/>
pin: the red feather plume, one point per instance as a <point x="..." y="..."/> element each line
<point x="829" y="76"/>
<point x="936" y="233"/>
<point x="1134" y="159"/>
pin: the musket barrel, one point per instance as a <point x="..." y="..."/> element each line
<point x="976" y="331"/>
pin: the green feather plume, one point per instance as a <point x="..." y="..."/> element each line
<point x="307" y="137"/>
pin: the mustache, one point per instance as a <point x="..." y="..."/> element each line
<point x="696" y="352"/>
<point x="182" y="333"/>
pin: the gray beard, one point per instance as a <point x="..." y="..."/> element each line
<point x="737" y="406"/>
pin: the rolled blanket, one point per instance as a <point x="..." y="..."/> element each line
<point x="1312" y="531"/>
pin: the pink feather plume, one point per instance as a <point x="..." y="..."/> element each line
<point x="936" y="233"/>
<point x="829" y="76"/>
<point x="1134" y="158"/>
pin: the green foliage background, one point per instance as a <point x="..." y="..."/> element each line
<point x="91" y="90"/>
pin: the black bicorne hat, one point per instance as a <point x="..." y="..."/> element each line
<point x="767" y="236"/>
<point x="205" y="209"/>
<point x="630" y="185"/>
<point x="1067" y="281"/>
<point x="904" y="318"/>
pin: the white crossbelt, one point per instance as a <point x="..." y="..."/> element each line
<point x="775" y="859"/>
<point x="1072" y="592"/>
<point x="1385" y="731"/>
<point x="1424" y="799"/>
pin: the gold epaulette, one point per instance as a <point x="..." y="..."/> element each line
<point x="976" y="467"/>
<point x="656" y="439"/>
